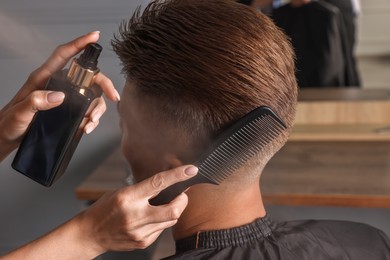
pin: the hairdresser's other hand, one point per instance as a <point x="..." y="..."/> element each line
<point x="119" y="221"/>
<point x="16" y="116"/>
<point x="133" y="223"/>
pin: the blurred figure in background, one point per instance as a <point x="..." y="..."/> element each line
<point x="265" y="6"/>
<point x="323" y="34"/>
<point x="349" y="11"/>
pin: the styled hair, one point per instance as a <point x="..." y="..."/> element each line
<point x="203" y="64"/>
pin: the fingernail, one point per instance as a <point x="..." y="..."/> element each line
<point x="88" y="129"/>
<point x="118" y="97"/>
<point x="95" y="32"/>
<point x="55" y="97"/>
<point x="191" y="171"/>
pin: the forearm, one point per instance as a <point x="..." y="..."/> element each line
<point x="68" y="241"/>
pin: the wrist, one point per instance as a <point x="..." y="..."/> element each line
<point x="86" y="236"/>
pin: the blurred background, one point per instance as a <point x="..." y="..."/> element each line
<point x="30" y="30"/>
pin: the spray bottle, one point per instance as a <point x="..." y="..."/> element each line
<point x="53" y="135"/>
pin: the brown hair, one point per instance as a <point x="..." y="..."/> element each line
<point x="207" y="63"/>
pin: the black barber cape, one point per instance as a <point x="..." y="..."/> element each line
<point x="295" y="240"/>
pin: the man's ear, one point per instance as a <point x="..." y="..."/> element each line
<point x="172" y="161"/>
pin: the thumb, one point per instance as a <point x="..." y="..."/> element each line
<point x="41" y="100"/>
<point x="55" y="97"/>
<point x="18" y="116"/>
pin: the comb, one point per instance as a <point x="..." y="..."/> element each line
<point x="230" y="150"/>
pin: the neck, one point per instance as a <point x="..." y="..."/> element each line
<point x="212" y="208"/>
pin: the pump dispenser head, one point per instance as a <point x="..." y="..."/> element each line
<point x="83" y="69"/>
<point x="89" y="58"/>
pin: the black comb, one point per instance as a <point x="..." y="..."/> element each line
<point x="229" y="151"/>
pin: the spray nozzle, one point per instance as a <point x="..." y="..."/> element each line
<point x="83" y="69"/>
<point x="89" y="58"/>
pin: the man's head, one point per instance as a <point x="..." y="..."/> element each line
<point x="193" y="68"/>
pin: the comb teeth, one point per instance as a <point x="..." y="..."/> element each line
<point x="239" y="147"/>
<point x="229" y="151"/>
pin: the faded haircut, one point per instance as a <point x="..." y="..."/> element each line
<point x="203" y="64"/>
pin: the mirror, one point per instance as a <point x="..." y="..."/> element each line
<point x="372" y="40"/>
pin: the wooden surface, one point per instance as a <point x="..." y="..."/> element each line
<point x="329" y="174"/>
<point x="342" y="94"/>
<point x="340" y="132"/>
<point x="355" y="174"/>
<point x="343" y="112"/>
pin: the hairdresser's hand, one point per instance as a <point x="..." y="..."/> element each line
<point x="124" y="220"/>
<point x="132" y="223"/>
<point x="16" y="116"/>
<point x="119" y="221"/>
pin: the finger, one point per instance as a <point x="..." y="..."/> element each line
<point x="61" y="55"/>
<point x="23" y="111"/>
<point x="107" y="86"/>
<point x="160" y="227"/>
<point x="96" y="109"/>
<point x="159" y="219"/>
<point x="40" y="100"/>
<point x="153" y="185"/>
<point x="151" y="214"/>
<point x="168" y="212"/>
<point x="144" y="236"/>
<point x="151" y="238"/>
<point x="89" y="127"/>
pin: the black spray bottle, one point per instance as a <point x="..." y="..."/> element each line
<point x="54" y="134"/>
